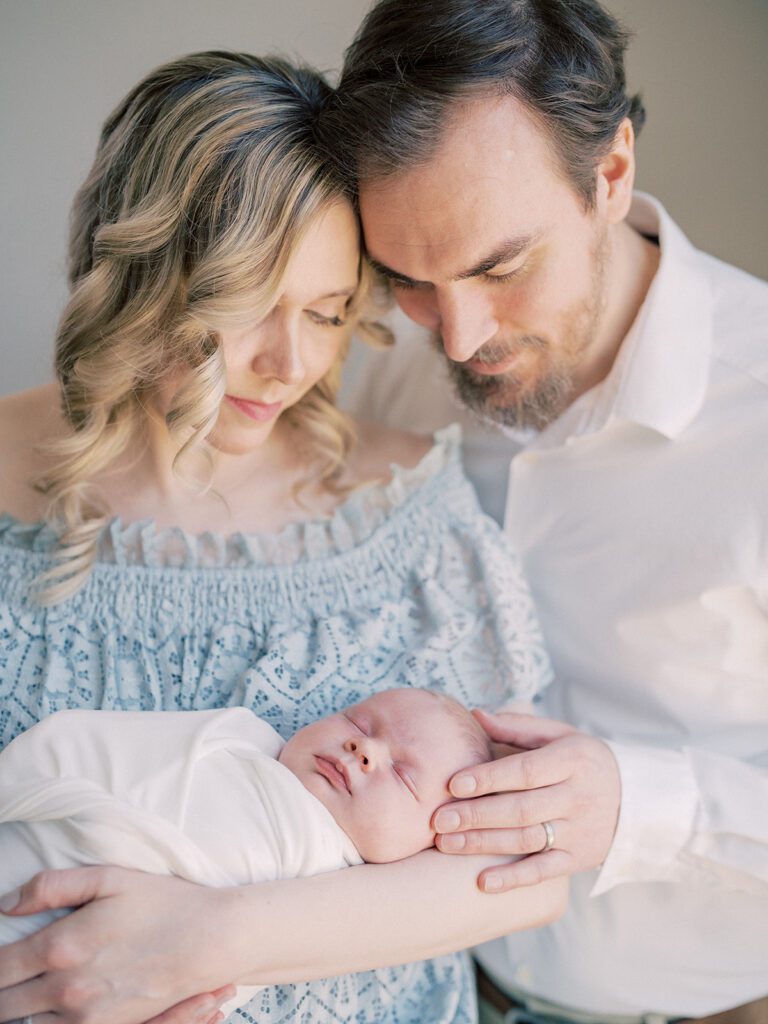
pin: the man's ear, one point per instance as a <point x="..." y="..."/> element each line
<point x="616" y="174"/>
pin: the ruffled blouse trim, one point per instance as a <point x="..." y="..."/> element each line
<point x="351" y="524"/>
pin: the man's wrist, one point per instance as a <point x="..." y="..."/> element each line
<point x="658" y="808"/>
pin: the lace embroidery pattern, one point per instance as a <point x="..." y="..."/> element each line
<point x="407" y="584"/>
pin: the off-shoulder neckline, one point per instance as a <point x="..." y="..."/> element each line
<point x="142" y="542"/>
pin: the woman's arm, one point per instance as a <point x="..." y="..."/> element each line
<point x="379" y="915"/>
<point x="142" y="943"/>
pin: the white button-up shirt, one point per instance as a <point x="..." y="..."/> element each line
<point x="641" y="516"/>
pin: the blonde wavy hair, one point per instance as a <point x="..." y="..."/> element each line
<point x="205" y="178"/>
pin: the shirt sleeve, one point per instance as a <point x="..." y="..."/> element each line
<point x="690" y="815"/>
<point x="695" y="814"/>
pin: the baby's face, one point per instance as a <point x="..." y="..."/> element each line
<point x="382" y="768"/>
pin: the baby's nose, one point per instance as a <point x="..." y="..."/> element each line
<point x="365" y="751"/>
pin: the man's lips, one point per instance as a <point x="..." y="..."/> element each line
<point x="259" y="411"/>
<point x="330" y="770"/>
<point x="485" y="369"/>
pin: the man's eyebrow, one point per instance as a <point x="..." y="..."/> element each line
<point x="508" y="250"/>
<point x="388" y="272"/>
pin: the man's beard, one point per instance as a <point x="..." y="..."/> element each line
<point x="504" y="398"/>
<point x="539" y="398"/>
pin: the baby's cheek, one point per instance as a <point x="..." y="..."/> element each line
<point x="392" y="834"/>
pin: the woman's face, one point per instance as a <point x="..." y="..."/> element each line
<point x="270" y="365"/>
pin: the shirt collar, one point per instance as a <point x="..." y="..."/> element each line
<point x="659" y="377"/>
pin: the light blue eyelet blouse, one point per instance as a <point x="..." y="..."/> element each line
<point x="406" y="584"/>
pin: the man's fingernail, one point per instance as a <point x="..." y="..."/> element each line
<point x="453" y="842"/>
<point x="465" y="785"/>
<point x="10" y="900"/>
<point x="492" y="883"/>
<point x="447" y="821"/>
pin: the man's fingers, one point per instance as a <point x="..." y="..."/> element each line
<point x="499" y="810"/>
<point x="528" y="871"/>
<point x="521" y="730"/>
<point x="53" y="890"/>
<point x="500" y="841"/>
<point x="531" y="769"/>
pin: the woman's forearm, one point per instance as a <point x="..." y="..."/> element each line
<point x="376" y="916"/>
<point x="141" y="943"/>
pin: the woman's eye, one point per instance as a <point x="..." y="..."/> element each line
<point x="325" y="321"/>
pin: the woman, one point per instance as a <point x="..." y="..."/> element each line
<point x="190" y="523"/>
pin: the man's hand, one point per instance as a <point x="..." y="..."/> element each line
<point x="563" y="777"/>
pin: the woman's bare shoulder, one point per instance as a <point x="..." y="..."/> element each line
<point x="27" y="420"/>
<point x="379" y="447"/>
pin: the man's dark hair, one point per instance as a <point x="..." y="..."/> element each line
<point x="412" y="59"/>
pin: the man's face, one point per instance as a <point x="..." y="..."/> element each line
<point x="490" y="248"/>
<point x="382" y="768"/>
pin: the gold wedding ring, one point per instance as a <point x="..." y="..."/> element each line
<point x="549" y="832"/>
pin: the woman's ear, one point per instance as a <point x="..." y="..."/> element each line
<point x="616" y="175"/>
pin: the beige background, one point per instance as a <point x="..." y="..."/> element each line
<point x="700" y="64"/>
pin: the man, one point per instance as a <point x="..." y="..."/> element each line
<point x="493" y="144"/>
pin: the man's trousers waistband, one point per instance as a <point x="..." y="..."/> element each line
<point x="518" y="1007"/>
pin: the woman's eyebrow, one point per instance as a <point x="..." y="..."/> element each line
<point x="342" y="293"/>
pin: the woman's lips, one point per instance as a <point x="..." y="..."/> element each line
<point x="259" y="411"/>
<point x="330" y="772"/>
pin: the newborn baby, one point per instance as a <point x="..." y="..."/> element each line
<point x="217" y="798"/>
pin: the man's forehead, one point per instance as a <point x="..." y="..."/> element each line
<point x="487" y="184"/>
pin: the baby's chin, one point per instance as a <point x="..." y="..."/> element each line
<point x="386" y="849"/>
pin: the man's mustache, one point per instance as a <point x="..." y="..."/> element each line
<point x="497" y="351"/>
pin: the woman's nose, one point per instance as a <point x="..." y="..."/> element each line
<point x="280" y="357"/>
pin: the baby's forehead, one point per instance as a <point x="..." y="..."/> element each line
<point x="422" y="707"/>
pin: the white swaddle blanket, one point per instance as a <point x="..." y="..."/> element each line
<point x="198" y="794"/>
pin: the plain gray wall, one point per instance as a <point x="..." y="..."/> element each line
<point x="700" y="65"/>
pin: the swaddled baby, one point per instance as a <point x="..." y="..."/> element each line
<point x="216" y="797"/>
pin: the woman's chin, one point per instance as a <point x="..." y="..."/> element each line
<point x="232" y="441"/>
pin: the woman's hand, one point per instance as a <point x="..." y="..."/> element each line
<point x="139" y="945"/>
<point x="563" y="777"/>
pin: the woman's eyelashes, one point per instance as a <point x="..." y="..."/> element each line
<point x="325" y="321"/>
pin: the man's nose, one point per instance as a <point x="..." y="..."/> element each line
<point x="466" y="323"/>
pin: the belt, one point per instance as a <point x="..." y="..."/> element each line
<point x="520" y="1008"/>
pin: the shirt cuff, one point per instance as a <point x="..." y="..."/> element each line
<point x="659" y="801"/>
